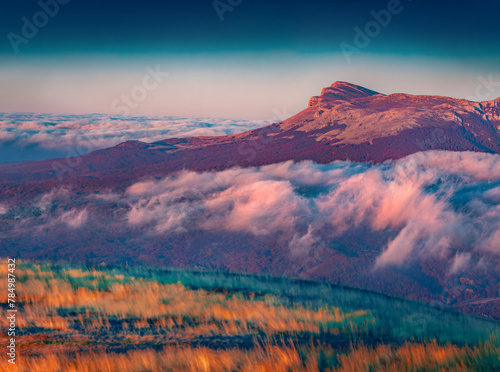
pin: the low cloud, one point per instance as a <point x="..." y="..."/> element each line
<point x="440" y="205"/>
<point x="460" y="262"/>
<point x="74" y="218"/>
<point x="434" y="203"/>
<point x="41" y="136"/>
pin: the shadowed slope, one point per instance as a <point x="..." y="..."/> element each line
<point x="345" y="122"/>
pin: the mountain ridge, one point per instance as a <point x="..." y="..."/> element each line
<point x="84" y="208"/>
<point x="346" y="122"/>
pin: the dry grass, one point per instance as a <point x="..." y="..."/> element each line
<point x="70" y="318"/>
<point x="81" y="304"/>
<point x="411" y="357"/>
<point x="423" y="357"/>
<point x="170" y="359"/>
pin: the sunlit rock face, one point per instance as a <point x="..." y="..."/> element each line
<point x="401" y="190"/>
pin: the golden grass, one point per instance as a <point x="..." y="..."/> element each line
<point x="70" y="317"/>
<point x="170" y="359"/>
<point x="80" y="303"/>
<point x="272" y="358"/>
<point x="423" y="357"/>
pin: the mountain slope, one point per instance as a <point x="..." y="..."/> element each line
<point x="322" y="222"/>
<point x="165" y="319"/>
<point x="345" y="122"/>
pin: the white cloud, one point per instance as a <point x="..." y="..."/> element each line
<point x="35" y="137"/>
<point x="413" y="197"/>
<point x="3" y="209"/>
<point x="434" y="204"/>
<point x="74" y="218"/>
<point x="460" y="262"/>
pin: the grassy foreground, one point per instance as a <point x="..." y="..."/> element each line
<point x="73" y="318"/>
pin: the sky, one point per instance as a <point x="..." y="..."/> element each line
<point x="238" y="59"/>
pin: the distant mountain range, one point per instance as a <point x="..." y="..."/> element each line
<point x="346" y="122"/>
<point x="328" y="222"/>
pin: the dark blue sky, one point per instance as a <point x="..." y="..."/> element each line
<point x="449" y="28"/>
<point x="432" y="47"/>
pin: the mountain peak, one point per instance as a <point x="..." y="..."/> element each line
<point x="341" y="91"/>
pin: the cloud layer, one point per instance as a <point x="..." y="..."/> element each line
<point x="435" y="203"/>
<point x="41" y="136"/>
<point x="440" y="205"/>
